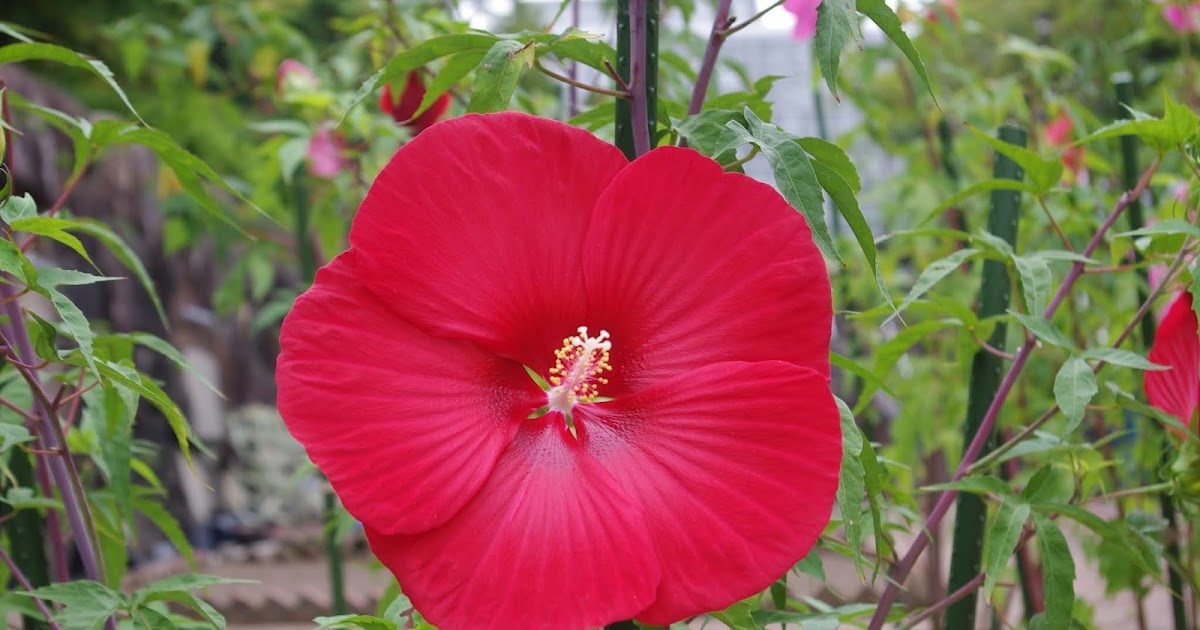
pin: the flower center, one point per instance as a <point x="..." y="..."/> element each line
<point x="578" y="370"/>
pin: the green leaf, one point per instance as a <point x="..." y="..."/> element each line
<point x="975" y="189"/>
<point x="125" y="254"/>
<point x="164" y="348"/>
<point x="843" y="197"/>
<point x="34" y="51"/>
<point x="812" y="565"/>
<point x="1123" y="358"/>
<point x="738" y="616"/>
<point x="150" y="619"/>
<point x="1167" y="227"/>
<point x="1044" y="173"/>
<point x="366" y="622"/>
<point x="794" y="174"/>
<point x="162" y="519"/>
<point x="190" y="170"/>
<point x="1058" y="568"/>
<point x="1048" y="486"/>
<point x="75" y="323"/>
<point x="1074" y="388"/>
<point x="852" y="484"/>
<point x="87" y="603"/>
<point x="934" y="272"/>
<point x="832" y="156"/>
<point x="181" y="584"/>
<point x="25" y="499"/>
<point x="975" y="484"/>
<point x="13" y="261"/>
<point x="590" y="52"/>
<point x="496" y="77"/>
<point x="53" y="228"/>
<point x="860" y="371"/>
<point x="882" y="15"/>
<point x="873" y="479"/>
<point x="1035" y="277"/>
<point x="707" y="132"/>
<point x="456" y="67"/>
<point x="116" y="443"/>
<point x="1043" y="329"/>
<point x="833" y="31"/>
<point x="16" y="208"/>
<point x="1002" y="540"/>
<point x="12" y="435"/>
<point x="417" y="56"/>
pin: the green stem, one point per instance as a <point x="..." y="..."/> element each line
<point x="637" y="65"/>
<point x="986" y="372"/>
<point x="1123" y="83"/>
<point x="308" y="271"/>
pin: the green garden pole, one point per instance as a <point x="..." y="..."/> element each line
<point x="986" y="372"/>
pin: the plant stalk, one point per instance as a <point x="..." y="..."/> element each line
<point x="986" y="369"/>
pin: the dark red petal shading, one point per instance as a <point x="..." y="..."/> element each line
<point x="1176" y="344"/>
<point x="735" y="466"/>
<point x="686" y="266"/>
<point x="550" y="543"/>
<point x="406" y="426"/>
<point x="474" y="230"/>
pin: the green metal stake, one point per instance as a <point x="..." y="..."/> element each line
<point x="1123" y="82"/>
<point x="308" y="271"/>
<point x="25" y="538"/>
<point x="986" y="371"/>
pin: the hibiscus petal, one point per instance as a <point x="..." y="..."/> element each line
<point x="550" y="543"/>
<point x="406" y="426"/>
<point x="735" y="466"/>
<point x="686" y="265"/>
<point x="1176" y="344"/>
<point x="474" y="228"/>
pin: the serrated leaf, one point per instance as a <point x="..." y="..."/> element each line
<point x="1167" y="227"/>
<point x="845" y="363"/>
<point x="26" y="499"/>
<point x="794" y="175"/>
<point x="53" y="228"/>
<point x="12" y="435"/>
<point x="1002" y="540"/>
<point x="842" y="194"/>
<point x="936" y="271"/>
<point x="191" y="171"/>
<point x="975" y="484"/>
<point x="161" y="346"/>
<point x="162" y="519"/>
<point x="145" y="618"/>
<point x="1045" y="486"/>
<point x="738" y="616"/>
<point x="986" y="185"/>
<point x="366" y="622"/>
<point x="1074" y="387"/>
<point x="456" y="67"/>
<point x="851" y="484"/>
<point x="181" y="584"/>
<point x="1043" y="329"/>
<point x="12" y="260"/>
<point x="886" y="19"/>
<point x="590" y="52"/>
<point x="37" y="51"/>
<point x="1058" y="570"/>
<point x="497" y="75"/>
<point x="706" y="132"/>
<point x="75" y="323"/>
<point x="834" y="157"/>
<point x="833" y="31"/>
<point x="417" y="56"/>
<point x="1123" y="358"/>
<point x="88" y="604"/>
<point x="1044" y="173"/>
<point x="1035" y="277"/>
<point x="16" y="208"/>
<point x="812" y="565"/>
<point x="125" y="254"/>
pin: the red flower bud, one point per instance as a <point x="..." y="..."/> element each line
<point x="401" y="110"/>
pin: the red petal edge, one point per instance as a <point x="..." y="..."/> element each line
<point x="735" y="466"/>
<point x="474" y="230"/>
<point x="1176" y="344"/>
<point x="406" y="426"/>
<point x="687" y="265"/>
<point x="550" y="543"/>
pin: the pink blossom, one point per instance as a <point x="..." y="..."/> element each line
<point x="326" y="154"/>
<point x="1183" y="18"/>
<point x="293" y="77"/>
<point x="806" y="17"/>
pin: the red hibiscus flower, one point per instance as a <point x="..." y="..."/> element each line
<point x="686" y="451"/>
<point x="1058" y="133"/>
<point x="402" y="110"/>
<point x="1177" y="345"/>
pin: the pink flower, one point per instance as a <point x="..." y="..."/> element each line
<point x="326" y="153"/>
<point x="806" y="17"/>
<point x="1058" y="133"/>
<point x="1176" y="345"/>
<point x="681" y="450"/>
<point x="1183" y="18"/>
<point x="294" y="77"/>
